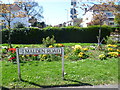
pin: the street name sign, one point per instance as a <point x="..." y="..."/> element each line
<point x="37" y="51"/>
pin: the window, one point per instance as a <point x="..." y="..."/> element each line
<point x="109" y="14"/>
<point x="111" y="19"/>
<point x="111" y="23"/>
<point x="4" y="25"/>
<point x="86" y="18"/>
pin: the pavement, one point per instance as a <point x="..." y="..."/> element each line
<point x="96" y="86"/>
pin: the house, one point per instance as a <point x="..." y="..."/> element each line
<point x="12" y="13"/>
<point x="106" y="9"/>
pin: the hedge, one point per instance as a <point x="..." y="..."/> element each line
<point x="62" y="35"/>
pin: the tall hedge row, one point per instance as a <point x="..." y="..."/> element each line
<point x="62" y="35"/>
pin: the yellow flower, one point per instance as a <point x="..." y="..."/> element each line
<point x="110" y="45"/>
<point x="113" y="54"/>
<point x="65" y="56"/>
<point x="77" y="47"/>
<point x="80" y="55"/>
<point x="50" y="46"/>
<point x="85" y="49"/>
<point x="118" y="50"/>
<point x="110" y="49"/>
<point x="23" y="56"/>
<point x="114" y="45"/>
<point x="102" y="56"/>
<point x="44" y="55"/>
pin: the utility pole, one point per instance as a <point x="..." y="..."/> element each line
<point x="67" y="15"/>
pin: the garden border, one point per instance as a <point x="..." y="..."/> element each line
<point x="37" y="51"/>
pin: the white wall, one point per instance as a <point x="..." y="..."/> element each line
<point x="87" y="18"/>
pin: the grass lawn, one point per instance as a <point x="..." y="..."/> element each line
<point x="43" y="74"/>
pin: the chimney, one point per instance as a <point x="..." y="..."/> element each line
<point x="85" y="10"/>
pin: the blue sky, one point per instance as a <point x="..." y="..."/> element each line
<point x="55" y="11"/>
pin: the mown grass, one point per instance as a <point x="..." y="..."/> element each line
<point x="43" y="74"/>
<point x="39" y="45"/>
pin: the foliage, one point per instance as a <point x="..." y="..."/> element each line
<point x="111" y="50"/>
<point x="77" y="22"/>
<point x="19" y="25"/>
<point x="8" y="15"/>
<point x="98" y="19"/>
<point x="110" y="40"/>
<point x="62" y="35"/>
<point x="38" y="24"/>
<point x="102" y="56"/>
<point x="48" y="41"/>
<point x="31" y="8"/>
<point x="117" y="19"/>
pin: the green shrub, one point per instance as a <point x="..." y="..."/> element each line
<point x="62" y="35"/>
<point x="48" y="41"/>
<point x="110" y="40"/>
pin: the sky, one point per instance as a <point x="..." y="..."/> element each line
<point x="56" y="11"/>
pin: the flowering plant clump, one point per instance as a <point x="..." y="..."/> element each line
<point x="13" y="50"/>
<point x="45" y="57"/>
<point x="12" y="54"/>
<point x="82" y="55"/>
<point x="118" y="50"/>
<point x="77" y="49"/>
<point x="110" y="49"/>
<point x="59" y="45"/>
<point x="102" y="56"/>
<point x="113" y="54"/>
<point x="51" y="46"/>
<point x="85" y="49"/>
<point x="110" y="45"/>
<point x="80" y="52"/>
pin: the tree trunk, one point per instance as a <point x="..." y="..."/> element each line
<point x="99" y="38"/>
<point x="9" y="35"/>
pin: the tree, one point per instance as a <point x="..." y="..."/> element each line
<point x="99" y="16"/>
<point x="117" y="19"/>
<point x="98" y="19"/>
<point x="19" y="25"/>
<point x="39" y="24"/>
<point x="31" y="8"/>
<point x="77" y="22"/>
<point x="7" y="14"/>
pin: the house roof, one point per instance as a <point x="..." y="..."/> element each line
<point x="9" y="7"/>
<point x="105" y="7"/>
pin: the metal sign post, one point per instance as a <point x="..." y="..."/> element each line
<point x="37" y="51"/>
<point x="63" y="63"/>
<point x="18" y="63"/>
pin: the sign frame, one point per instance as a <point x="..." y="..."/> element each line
<point x="33" y="51"/>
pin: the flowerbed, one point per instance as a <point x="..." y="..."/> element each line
<point x="76" y="52"/>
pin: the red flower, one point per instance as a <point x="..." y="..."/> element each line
<point x="12" y="58"/>
<point x="62" y="45"/>
<point x="119" y="55"/>
<point x="35" y="55"/>
<point x="13" y="50"/>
